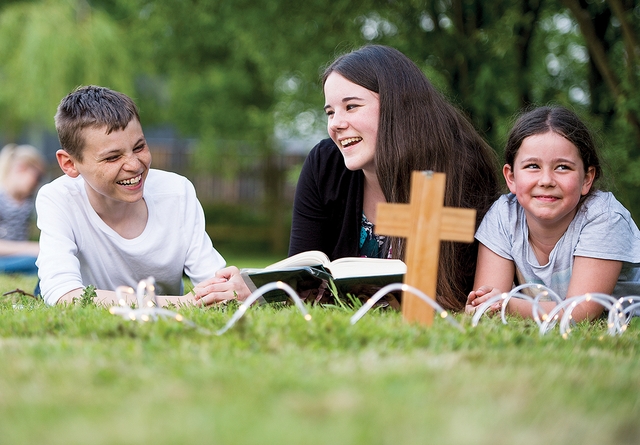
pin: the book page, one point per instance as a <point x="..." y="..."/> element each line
<point x="366" y="267"/>
<point x="309" y="258"/>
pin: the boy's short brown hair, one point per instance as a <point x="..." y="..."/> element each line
<point x="91" y="107"/>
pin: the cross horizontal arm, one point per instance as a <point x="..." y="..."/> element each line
<point x="456" y="224"/>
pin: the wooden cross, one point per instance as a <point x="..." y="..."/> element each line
<point x="424" y="222"/>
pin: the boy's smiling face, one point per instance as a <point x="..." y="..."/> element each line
<point x="114" y="166"/>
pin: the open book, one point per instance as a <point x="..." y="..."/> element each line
<point x="315" y="278"/>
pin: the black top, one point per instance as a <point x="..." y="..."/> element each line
<point x="327" y="209"/>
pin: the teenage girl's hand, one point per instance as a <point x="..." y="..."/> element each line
<point x="227" y="284"/>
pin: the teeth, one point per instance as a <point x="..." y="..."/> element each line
<point x="349" y="141"/>
<point x="132" y="181"/>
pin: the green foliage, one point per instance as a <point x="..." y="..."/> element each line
<point x="242" y="229"/>
<point x="88" y="296"/>
<point x="235" y="214"/>
<point x="49" y="47"/>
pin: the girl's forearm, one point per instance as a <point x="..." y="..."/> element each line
<point x="584" y="311"/>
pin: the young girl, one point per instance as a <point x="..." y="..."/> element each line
<point x="555" y="228"/>
<point x="21" y="168"/>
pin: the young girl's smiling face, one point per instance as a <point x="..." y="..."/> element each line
<point x="548" y="178"/>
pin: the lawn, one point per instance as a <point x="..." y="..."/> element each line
<point x="78" y="375"/>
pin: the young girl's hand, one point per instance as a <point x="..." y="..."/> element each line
<point x="477" y="297"/>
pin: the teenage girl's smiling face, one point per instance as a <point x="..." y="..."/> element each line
<point x="114" y="166"/>
<point x="548" y="178"/>
<point x="352" y="113"/>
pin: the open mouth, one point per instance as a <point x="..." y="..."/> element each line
<point x="349" y="141"/>
<point x="132" y="181"/>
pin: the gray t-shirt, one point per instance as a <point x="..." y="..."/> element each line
<point x="602" y="228"/>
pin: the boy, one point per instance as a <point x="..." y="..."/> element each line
<point x="112" y="221"/>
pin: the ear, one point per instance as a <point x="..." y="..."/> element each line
<point x="589" y="177"/>
<point x="509" y="177"/>
<point x="67" y="163"/>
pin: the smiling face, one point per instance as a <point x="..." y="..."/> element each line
<point x="548" y="178"/>
<point x="114" y="166"/>
<point x="353" y="113"/>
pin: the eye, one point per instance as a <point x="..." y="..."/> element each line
<point x="139" y="148"/>
<point x="531" y="166"/>
<point x="563" y="167"/>
<point x="112" y="158"/>
<point x="328" y="112"/>
<point x="352" y="106"/>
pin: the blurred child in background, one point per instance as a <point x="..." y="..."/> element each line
<point x="21" y="170"/>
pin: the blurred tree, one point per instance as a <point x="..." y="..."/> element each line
<point x="245" y="71"/>
<point x="477" y="52"/>
<point x="496" y="57"/>
<point x="49" y="47"/>
<point x="225" y="66"/>
<point x="610" y="30"/>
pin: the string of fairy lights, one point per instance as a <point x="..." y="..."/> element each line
<point x="619" y="310"/>
<point x="146" y="307"/>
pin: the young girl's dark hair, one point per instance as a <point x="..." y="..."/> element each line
<point x="419" y="129"/>
<point x="561" y="121"/>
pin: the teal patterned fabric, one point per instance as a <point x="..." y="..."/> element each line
<point x="371" y="245"/>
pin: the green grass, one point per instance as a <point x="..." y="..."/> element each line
<point x="255" y="260"/>
<point x="78" y="375"/>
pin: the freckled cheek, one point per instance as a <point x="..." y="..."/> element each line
<point x="100" y="176"/>
<point x="146" y="160"/>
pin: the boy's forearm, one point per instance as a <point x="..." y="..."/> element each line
<point x="105" y="297"/>
<point x="109" y="298"/>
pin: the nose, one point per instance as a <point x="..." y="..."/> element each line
<point x="132" y="162"/>
<point x="546" y="178"/>
<point x="337" y="122"/>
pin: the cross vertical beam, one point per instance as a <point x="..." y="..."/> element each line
<point x="424" y="222"/>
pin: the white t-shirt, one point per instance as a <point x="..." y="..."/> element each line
<point x="78" y="249"/>
<point x="602" y="228"/>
